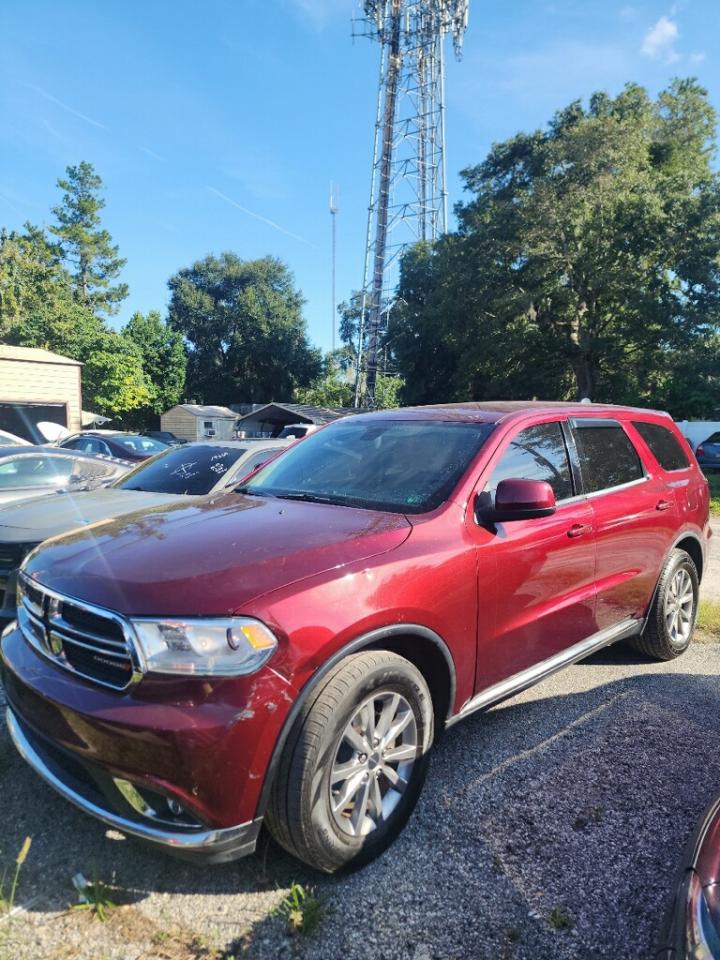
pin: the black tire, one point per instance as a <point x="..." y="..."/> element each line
<point x="656" y="639"/>
<point x="299" y="815"/>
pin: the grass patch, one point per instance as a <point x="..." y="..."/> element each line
<point x="94" y="896"/>
<point x="713" y="478"/>
<point x="559" y="918"/>
<point x="8" y="887"/>
<point x="302" y="910"/>
<point x="708" y="619"/>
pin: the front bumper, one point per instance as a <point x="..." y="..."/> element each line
<point x="208" y="846"/>
<point x="202" y="744"/>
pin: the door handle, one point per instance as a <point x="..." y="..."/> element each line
<point x="579" y="529"/>
<point x="663" y="505"/>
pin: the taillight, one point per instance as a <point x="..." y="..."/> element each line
<point x="700" y="451"/>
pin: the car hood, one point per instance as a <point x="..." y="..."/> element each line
<point x="50" y="515"/>
<point x="212" y="556"/>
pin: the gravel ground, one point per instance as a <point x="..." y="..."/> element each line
<point x="549" y="827"/>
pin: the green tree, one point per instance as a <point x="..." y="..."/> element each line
<point x="243" y="324"/>
<point x="38" y="309"/>
<point x="32" y="279"/>
<point x="114" y="383"/>
<point x="163" y="359"/>
<point x="586" y="260"/>
<point x="86" y="247"/>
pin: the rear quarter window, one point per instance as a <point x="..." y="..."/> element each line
<point x="663" y="444"/>
<point x="606" y="454"/>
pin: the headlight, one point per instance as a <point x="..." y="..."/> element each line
<point x="226" y="647"/>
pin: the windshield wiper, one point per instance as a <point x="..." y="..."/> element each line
<point x="249" y="491"/>
<point x="306" y="497"/>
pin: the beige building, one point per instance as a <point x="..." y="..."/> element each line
<point x="195" y="421"/>
<point x="36" y="386"/>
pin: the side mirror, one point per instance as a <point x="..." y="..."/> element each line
<point x="520" y="500"/>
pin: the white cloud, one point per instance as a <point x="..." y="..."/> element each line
<point x="697" y="57"/>
<point x="659" y="42"/>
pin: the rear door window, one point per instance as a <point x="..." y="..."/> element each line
<point x="663" y="444"/>
<point x="536" y="453"/>
<point x="606" y="455"/>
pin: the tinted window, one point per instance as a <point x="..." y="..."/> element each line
<point x="663" y="445"/>
<point x="141" y="444"/>
<point x="35" y="471"/>
<point x="76" y="444"/>
<point x="607" y="457"/>
<point x="188" y="469"/>
<point x="715" y="438"/>
<point x="403" y="466"/>
<point x="537" y="453"/>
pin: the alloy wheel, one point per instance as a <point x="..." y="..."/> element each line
<point x="679" y="607"/>
<point x="373" y="763"/>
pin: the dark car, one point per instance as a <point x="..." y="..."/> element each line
<point x="708" y="452"/>
<point x="164" y="436"/>
<point x="285" y="654"/>
<point x="129" y="446"/>
<point x="692" y="930"/>
<point x="193" y="470"/>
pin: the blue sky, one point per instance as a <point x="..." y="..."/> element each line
<point x="218" y="125"/>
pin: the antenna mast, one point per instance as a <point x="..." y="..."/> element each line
<point x="408" y="195"/>
<point x="334" y="208"/>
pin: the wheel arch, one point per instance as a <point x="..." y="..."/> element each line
<point x="423" y="647"/>
<point x="692" y="545"/>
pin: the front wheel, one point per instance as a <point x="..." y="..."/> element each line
<point x="354" y="764"/>
<point x="671" y="621"/>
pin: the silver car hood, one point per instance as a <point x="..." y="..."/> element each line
<point x="33" y="521"/>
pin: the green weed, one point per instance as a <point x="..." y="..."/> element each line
<point x="302" y="910"/>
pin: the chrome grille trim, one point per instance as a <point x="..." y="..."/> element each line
<point x="41" y="620"/>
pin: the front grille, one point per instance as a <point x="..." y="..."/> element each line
<point x="87" y="640"/>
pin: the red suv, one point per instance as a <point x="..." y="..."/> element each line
<point x="286" y="653"/>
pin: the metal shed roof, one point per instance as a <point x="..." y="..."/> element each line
<point x="203" y="410"/>
<point x="303" y="412"/>
<point x="35" y="355"/>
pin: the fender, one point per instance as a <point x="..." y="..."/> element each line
<point x="363" y="642"/>
<point x="687" y="535"/>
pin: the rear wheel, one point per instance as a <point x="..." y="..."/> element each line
<point x="354" y="764"/>
<point x="671" y="622"/>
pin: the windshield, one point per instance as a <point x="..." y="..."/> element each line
<point x="183" y="470"/>
<point x="141" y="444"/>
<point x="403" y="466"/>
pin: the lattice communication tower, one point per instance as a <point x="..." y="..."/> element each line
<point x="408" y="195"/>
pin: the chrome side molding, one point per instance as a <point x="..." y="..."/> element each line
<point x="539" y="671"/>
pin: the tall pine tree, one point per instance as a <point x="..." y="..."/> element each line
<point x="87" y="249"/>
